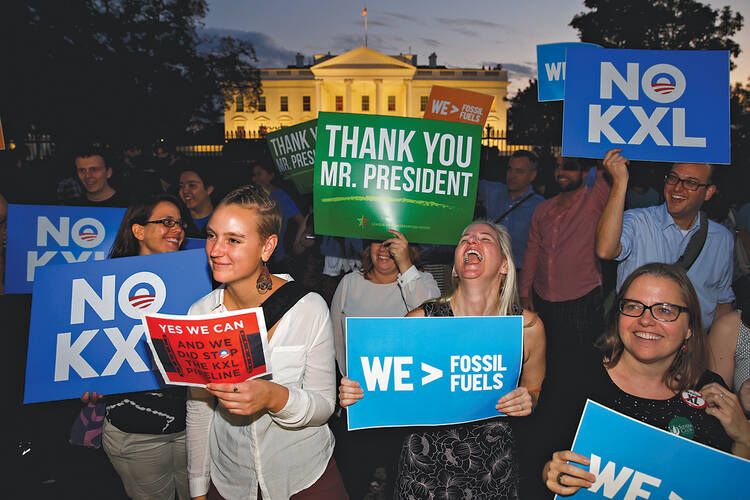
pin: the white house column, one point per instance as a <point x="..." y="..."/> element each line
<point x="348" y="95"/>
<point x="318" y="103"/>
<point x="407" y="101"/>
<point x="378" y="96"/>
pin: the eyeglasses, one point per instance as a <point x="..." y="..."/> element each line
<point x="661" y="312"/>
<point x="168" y="223"/>
<point x="689" y="184"/>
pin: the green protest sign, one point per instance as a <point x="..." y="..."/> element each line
<point x="374" y="173"/>
<point x="293" y="151"/>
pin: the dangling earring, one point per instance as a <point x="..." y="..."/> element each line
<point x="264" y="283"/>
<point x="684" y="346"/>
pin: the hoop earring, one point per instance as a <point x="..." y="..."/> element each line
<point x="264" y="283"/>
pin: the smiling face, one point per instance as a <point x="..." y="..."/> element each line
<point x="478" y="254"/>
<point x="234" y="247"/>
<point x="683" y="204"/>
<point x="93" y="173"/>
<point x="567" y="180"/>
<point x="194" y="194"/>
<point x="382" y="261"/>
<point x="157" y="238"/>
<point x="645" y="339"/>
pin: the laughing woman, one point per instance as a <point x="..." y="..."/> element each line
<point x="473" y="460"/>
<point x="263" y="437"/>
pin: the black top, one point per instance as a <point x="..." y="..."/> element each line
<point x="562" y="407"/>
<point x="149" y="412"/>
<point x="117" y="200"/>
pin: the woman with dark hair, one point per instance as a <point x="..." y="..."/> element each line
<point x="264" y="436"/>
<point x="143" y="231"/>
<point x="477" y="459"/>
<point x="653" y="357"/>
<point x="389" y="284"/>
<point x="144" y="432"/>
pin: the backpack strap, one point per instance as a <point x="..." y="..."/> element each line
<point x="695" y="245"/>
<point x="283" y="299"/>
<point x="505" y="214"/>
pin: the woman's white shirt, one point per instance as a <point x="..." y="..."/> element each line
<point x="284" y="452"/>
<point x="358" y="297"/>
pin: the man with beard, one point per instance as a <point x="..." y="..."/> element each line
<point x="561" y="278"/>
<point x="663" y="233"/>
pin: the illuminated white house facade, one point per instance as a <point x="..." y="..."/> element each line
<point x="359" y="81"/>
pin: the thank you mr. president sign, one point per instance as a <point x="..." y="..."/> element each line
<point x="655" y="105"/>
<point x="431" y="371"/>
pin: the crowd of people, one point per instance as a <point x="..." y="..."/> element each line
<point x="628" y="297"/>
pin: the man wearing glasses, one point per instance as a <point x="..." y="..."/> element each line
<point x="663" y="233"/>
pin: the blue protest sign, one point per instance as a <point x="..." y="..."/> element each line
<point x="431" y="371"/>
<point x="656" y="105"/>
<point x="41" y="235"/>
<point x="634" y="460"/>
<point x="550" y="67"/>
<point x="86" y="332"/>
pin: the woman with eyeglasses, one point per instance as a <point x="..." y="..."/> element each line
<point x="652" y="366"/>
<point x="144" y="432"/>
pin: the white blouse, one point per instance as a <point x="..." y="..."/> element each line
<point x="358" y="297"/>
<point x="283" y="452"/>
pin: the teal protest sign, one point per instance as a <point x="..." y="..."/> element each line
<point x="444" y="371"/>
<point x="293" y="151"/>
<point x="374" y="173"/>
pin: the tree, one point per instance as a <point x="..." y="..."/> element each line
<point x="658" y="24"/>
<point x="532" y="121"/>
<point x="116" y="70"/>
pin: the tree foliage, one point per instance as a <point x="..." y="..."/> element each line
<point x="116" y="70"/>
<point x="658" y="24"/>
<point x="534" y="122"/>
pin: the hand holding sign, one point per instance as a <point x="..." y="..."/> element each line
<point x="246" y="398"/>
<point x="398" y="247"/>
<point x="617" y="166"/>
<point x="349" y="392"/>
<point x="517" y="403"/>
<point x="725" y="406"/>
<point x="564" y="478"/>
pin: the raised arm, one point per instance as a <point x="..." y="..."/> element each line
<point x="609" y="227"/>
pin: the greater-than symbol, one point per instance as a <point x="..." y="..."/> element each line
<point x="432" y="373"/>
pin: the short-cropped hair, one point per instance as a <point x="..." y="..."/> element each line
<point x="255" y="198"/>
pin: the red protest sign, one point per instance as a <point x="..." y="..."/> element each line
<point x="458" y="105"/>
<point x="196" y="350"/>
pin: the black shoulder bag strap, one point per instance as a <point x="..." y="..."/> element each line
<point x="695" y="245"/>
<point x="283" y="299"/>
<point x="505" y="214"/>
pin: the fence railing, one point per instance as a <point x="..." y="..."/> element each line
<point x="41" y="146"/>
